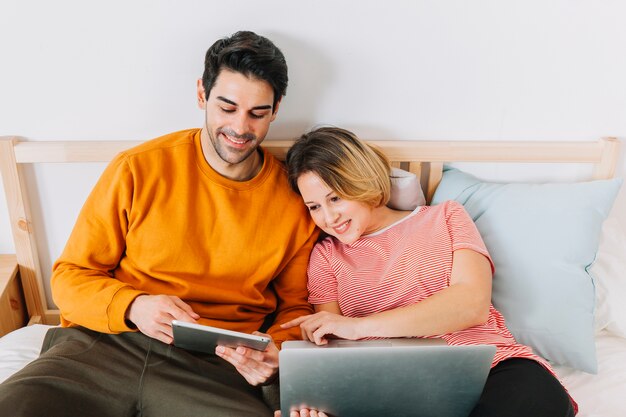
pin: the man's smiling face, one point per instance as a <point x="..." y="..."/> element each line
<point x="238" y="114"/>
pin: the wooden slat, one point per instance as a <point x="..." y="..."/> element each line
<point x="22" y="228"/>
<point x="53" y="316"/>
<point x="484" y="151"/>
<point x="69" y="151"/>
<point x="605" y="168"/>
<point x="434" y="178"/>
<point x="425" y="151"/>
<point x="100" y="151"/>
<point x="415" y="168"/>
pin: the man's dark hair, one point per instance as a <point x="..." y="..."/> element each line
<point x="251" y="55"/>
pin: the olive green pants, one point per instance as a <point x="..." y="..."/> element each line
<point x="86" y="373"/>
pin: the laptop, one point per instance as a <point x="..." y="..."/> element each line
<point x="392" y="377"/>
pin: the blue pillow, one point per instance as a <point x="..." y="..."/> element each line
<point x="542" y="238"/>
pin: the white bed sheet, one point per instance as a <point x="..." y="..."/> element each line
<point x="600" y="395"/>
<point x="20" y="347"/>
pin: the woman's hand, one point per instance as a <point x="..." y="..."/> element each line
<point x="316" y="327"/>
<point x="305" y="412"/>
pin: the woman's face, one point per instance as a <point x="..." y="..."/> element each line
<point x="347" y="220"/>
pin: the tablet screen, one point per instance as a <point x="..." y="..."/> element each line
<point x="200" y="338"/>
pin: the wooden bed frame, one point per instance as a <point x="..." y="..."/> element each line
<point x="424" y="158"/>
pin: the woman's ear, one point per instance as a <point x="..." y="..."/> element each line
<point x="201" y="95"/>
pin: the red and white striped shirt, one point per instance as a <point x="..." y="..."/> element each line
<point x="404" y="264"/>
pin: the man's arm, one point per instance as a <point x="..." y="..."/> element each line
<point x="83" y="281"/>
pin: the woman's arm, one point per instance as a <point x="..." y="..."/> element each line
<point x="465" y="303"/>
<point x="328" y="307"/>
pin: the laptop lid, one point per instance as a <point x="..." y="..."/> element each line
<point x="395" y="377"/>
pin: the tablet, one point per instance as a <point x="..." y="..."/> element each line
<point x="200" y="338"/>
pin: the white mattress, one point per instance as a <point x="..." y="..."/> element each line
<point x="600" y="395"/>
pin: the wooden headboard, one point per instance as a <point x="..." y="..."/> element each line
<point x="424" y="158"/>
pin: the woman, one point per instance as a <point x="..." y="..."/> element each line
<point x="421" y="273"/>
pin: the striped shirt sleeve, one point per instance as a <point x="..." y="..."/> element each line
<point x="463" y="231"/>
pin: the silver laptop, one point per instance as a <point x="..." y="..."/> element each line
<point x="391" y="377"/>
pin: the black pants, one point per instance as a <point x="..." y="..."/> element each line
<point x="522" y="388"/>
<point x="85" y="373"/>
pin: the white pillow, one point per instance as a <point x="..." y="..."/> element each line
<point x="609" y="273"/>
<point x="406" y="191"/>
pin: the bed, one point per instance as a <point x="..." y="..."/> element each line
<point x="587" y="340"/>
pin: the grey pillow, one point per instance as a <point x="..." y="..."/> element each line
<point x="406" y="192"/>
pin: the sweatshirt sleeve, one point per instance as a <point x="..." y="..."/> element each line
<point x="83" y="283"/>
<point x="291" y="290"/>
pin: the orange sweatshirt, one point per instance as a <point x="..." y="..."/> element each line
<point x="160" y="220"/>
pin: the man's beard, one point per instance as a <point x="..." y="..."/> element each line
<point x="228" y="154"/>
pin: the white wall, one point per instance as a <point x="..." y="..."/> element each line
<point x="448" y="69"/>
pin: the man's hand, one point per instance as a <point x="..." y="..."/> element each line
<point x="257" y="367"/>
<point x="153" y="315"/>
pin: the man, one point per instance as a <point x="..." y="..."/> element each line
<point x="197" y="226"/>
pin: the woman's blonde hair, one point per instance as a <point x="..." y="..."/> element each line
<point x="350" y="167"/>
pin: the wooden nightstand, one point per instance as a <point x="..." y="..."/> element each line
<point x="12" y="305"/>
